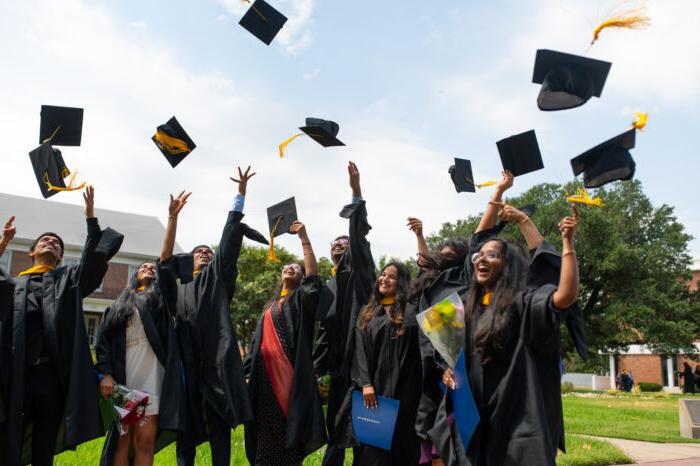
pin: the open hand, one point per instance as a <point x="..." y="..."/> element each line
<point x="506" y="181"/>
<point x="242" y="180"/>
<point x="177" y="203"/>
<point x="298" y="228"/>
<point x="89" y="197"/>
<point x="9" y="230"/>
<point x="369" y="397"/>
<point x="354" y="179"/>
<point x="415" y="225"/>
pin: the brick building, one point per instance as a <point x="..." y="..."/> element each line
<point x="648" y="367"/>
<point x="143" y="239"/>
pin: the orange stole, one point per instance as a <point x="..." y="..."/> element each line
<point x="279" y="369"/>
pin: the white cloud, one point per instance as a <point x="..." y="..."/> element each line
<point x="313" y="74"/>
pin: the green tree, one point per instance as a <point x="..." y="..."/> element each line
<point x="410" y="263"/>
<point x="634" y="265"/>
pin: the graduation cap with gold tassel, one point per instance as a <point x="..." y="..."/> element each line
<point x="173" y="141"/>
<point x="463" y="178"/>
<point x="322" y="131"/>
<point x="280" y="218"/>
<point x="628" y="18"/>
<point x="262" y="20"/>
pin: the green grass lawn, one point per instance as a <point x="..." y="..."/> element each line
<point x="628" y="417"/>
<point x="582" y="452"/>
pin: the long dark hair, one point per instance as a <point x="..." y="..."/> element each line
<point x="395" y="314"/>
<point x="488" y="339"/>
<point x="124" y="306"/>
<point x="433" y="263"/>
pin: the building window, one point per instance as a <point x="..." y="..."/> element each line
<point x="6" y="261"/>
<point x="91" y="323"/>
<point x="68" y="261"/>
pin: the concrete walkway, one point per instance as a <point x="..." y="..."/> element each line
<point x="652" y="453"/>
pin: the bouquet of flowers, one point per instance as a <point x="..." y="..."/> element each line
<point x="443" y="324"/>
<point x="130" y="406"/>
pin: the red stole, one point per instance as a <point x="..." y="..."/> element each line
<point x="279" y="369"/>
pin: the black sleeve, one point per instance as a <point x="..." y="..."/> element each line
<point x="226" y="256"/>
<point x="103" y="348"/>
<point x="540" y="325"/>
<point x="99" y="248"/>
<point x="360" y="251"/>
<point x="167" y="283"/>
<point x="362" y="360"/>
<point x="7" y="295"/>
<point x="545" y="266"/>
<point x="321" y="351"/>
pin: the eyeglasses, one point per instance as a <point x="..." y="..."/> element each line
<point x="292" y="266"/>
<point x="339" y="242"/>
<point x="489" y="255"/>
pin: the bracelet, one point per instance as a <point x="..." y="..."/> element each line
<point x="566" y="253"/>
<point x="524" y="220"/>
<point x="495" y="203"/>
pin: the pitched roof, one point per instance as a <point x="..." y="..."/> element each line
<point x="143" y="234"/>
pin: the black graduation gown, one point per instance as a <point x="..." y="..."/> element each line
<point x="305" y="423"/>
<point x="64" y="333"/>
<point x="688" y="380"/>
<point x="392" y="366"/>
<point x="518" y="424"/>
<point x="351" y="287"/>
<point x="208" y="343"/>
<point x="159" y="326"/>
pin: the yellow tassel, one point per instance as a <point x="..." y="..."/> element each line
<point x="284" y="293"/>
<point x="486" y="299"/>
<point x="482" y="185"/>
<point x="171" y="145"/>
<point x="271" y="253"/>
<point x="641" y="121"/>
<point x="633" y="18"/>
<point x="582" y="197"/>
<point x="37" y="269"/>
<point x="72" y="186"/>
<point x="286" y="142"/>
<point x="388" y="301"/>
<point x="141" y="288"/>
<point x="334" y="271"/>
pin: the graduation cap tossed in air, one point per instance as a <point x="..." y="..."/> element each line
<point x="462" y="177"/>
<point x="520" y="153"/>
<point x="568" y="81"/>
<point x="59" y="126"/>
<point x="263" y="21"/>
<point x="280" y="218"/>
<point x="607" y="162"/>
<point x="324" y="132"/>
<point x="173" y="141"/>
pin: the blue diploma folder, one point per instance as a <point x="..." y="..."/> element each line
<point x="374" y="426"/>
<point x="465" y="410"/>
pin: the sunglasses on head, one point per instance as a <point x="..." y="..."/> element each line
<point x="339" y="242"/>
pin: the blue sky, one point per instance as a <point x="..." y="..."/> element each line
<point x="412" y="85"/>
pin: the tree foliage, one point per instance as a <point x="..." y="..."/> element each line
<point x="634" y="264"/>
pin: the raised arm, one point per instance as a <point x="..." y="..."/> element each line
<point x="310" y="264"/>
<point x="8" y="233"/>
<point x="360" y="251"/>
<point x="176" y="205"/>
<point x="567" y="292"/>
<point x="488" y="220"/>
<point x="529" y="230"/>
<point x="416" y="226"/>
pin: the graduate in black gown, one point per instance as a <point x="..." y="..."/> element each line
<point x="288" y="415"/>
<point x="146" y="308"/>
<point x="217" y="397"/>
<point x="351" y="283"/>
<point x="46" y="368"/>
<point x="386" y="363"/>
<point x="512" y="346"/>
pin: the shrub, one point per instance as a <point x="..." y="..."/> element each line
<point x="613" y="391"/>
<point x="650" y="386"/>
<point x="567" y="387"/>
<point x="636" y="390"/>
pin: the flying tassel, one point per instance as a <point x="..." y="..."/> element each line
<point x="633" y="18"/>
<point x="271" y="253"/>
<point x="72" y="186"/>
<point x="171" y="145"/>
<point x="482" y="185"/>
<point x="582" y="197"/>
<point x="641" y="121"/>
<point x="286" y="142"/>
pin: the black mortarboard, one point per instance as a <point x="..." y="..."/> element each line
<point x="520" y="153"/>
<point x="173" y="141"/>
<point x="49" y="168"/>
<point x="281" y="216"/>
<point x="567" y="80"/>
<point x="65" y="124"/>
<point x="606" y="162"/>
<point x="323" y="132"/>
<point x="263" y="21"/>
<point x="462" y="177"/>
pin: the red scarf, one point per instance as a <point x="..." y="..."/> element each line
<point x="279" y="369"/>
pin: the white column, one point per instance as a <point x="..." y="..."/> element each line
<point x="669" y="373"/>
<point x="612" y="370"/>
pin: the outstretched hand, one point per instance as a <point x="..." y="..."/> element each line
<point x="9" y="230"/>
<point x="298" y="228"/>
<point x="415" y="225"/>
<point x="242" y="180"/>
<point x="89" y="198"/>
<point x="354" y="179"/>
<point x="177" y="203"/>
<point x="569" y="224"/>
<point x="506" y="181"/>
<point x="509" y="213"/>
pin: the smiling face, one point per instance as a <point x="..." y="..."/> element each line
<point x="202" y="257"/>
<point x="291" y="275"/>
<point x="488" y="264"/>
<point x="47" y="247"/>
<point x="388" y="282"/>
<point x="146" y="273"/>
<point x="338" y="248"/>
